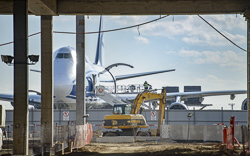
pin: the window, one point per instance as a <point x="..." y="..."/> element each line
<point x="67" y="55"/>
<point x="59" y="55"/>
<point x="127" y="109"/>
<point x="63" y="55"/>
<point x="118" y="110"/>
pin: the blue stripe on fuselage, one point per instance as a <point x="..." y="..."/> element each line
<point x="88" y="89"/>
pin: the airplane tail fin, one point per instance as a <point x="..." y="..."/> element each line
<point x="99" y="58"/>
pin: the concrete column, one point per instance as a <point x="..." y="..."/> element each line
<point x="248" y="78"/>
<point x="80" y="71"/>
<point x="47" y="118"/>
<point x="21" y="124"/>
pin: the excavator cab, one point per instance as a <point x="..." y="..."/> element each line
<point x="122" y="109"/>
<point x="122" y="118"/>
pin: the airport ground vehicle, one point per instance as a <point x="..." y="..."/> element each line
<point x="126" y="117"/>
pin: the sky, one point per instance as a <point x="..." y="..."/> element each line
<point x="200" y="55"/>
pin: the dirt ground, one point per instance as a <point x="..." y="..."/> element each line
<point x="154" y="149"/>
<point x="148" y="149"/>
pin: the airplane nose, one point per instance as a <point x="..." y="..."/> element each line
<point x="62" y="86"/>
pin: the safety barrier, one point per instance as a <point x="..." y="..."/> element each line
<point x="83" y="136"/>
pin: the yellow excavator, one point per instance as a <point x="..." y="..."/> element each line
<point x="126" y="117"/>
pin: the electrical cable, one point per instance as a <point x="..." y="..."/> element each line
<point x="95" y="31"/>
<point x="13" y="41"/>
<point x="221" y="34"/>
<point x="114" y="29"/>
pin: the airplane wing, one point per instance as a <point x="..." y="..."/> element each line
<point x="34" y="70"/>
<point x="34" y="100"/>
<point x="6" y="97"/>
<point x="121" y="77"/>
<point x="182" y="96"/>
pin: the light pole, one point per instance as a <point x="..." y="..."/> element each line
<point x="232" y="105"/>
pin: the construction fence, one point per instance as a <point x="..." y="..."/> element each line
<point x="172" y="117"/>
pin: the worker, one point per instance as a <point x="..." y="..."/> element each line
<point x="146" y="85"/>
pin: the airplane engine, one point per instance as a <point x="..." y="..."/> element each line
<point x="178" y="106"/>
<point x="244" y="105"/>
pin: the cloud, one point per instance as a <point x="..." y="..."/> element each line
<point x="224" y="59"/>
<point x="228" y="22"/>
<point x="171" y="52"/>
<point x="215" y="39"/>
<point x="212" y="81"/>
<point x="191" y="29"/>
<point x="189" y="53"/>
<point x="142" y="39"/>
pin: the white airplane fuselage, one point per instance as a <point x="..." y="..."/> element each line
<point x="65" y="76"/>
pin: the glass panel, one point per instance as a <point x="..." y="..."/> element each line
<point x="67" y="55"/>
<point x="127" y="109"/>
<point x="60" y="55"/>
<point x="118" y="110"/>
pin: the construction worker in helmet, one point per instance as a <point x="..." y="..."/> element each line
<point x="146" y="85"/>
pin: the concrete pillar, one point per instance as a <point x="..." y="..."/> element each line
<point x="21" y="114"/>
<point x="47" y="118"/>
<point x="248" y="77"/>
<point x="80" y="71"/>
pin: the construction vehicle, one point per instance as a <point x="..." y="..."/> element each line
<point x="126" y="117"/>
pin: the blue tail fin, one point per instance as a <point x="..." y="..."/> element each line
<point x="99" y="58"/>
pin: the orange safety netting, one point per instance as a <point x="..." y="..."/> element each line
<point x="83" y="135"/>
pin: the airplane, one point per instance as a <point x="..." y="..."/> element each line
<point x="96" y="74"/>
<point x="64" y="60"/>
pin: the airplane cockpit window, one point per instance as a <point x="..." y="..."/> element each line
<point x="63" y="55"/>
<point x="67" y="55"/>
<point x="59" y="55"/>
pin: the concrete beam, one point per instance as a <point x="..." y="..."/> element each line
<point x="47" y="119"/>
<point x="129" y="7"/>
<point x="151" y="7"/>
<point x="246" y="14"/>
<point x="35" y="7"/>
<point x="6" y="7"/>
<point x="43" y="7"/>
<point x="80" y="71"/>
<point x="21" y="113"/>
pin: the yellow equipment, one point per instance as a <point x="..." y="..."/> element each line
<point x="126" y="117"/>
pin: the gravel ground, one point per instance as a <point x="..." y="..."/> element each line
<point x="149" y="149"/>
<point x="155" y="149"/>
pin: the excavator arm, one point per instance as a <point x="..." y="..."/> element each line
<point x="143" y="97"/>
<point x="146" y="96"/>
<point x="162" y="105"/>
